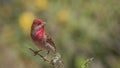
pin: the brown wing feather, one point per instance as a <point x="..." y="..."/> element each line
<point x="49" y="40"/>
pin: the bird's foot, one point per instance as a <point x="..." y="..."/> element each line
<point x="46" y="56"/>
<point x="36" y="52"/>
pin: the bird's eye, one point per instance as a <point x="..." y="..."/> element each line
<point x="38" y="24"/>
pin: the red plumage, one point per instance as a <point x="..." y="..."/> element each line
<point x="40" y="37"/>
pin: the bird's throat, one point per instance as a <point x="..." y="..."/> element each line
<point x="40" y="33"/>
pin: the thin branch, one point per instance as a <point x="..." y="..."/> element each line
<point x="56" y="61"/>
<point x="40" y="55"/>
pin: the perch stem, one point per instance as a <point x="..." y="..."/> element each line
<point x="39" y="55"/>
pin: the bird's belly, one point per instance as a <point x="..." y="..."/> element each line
<point x="45" y="46"/>
<point x="40" y="44"/>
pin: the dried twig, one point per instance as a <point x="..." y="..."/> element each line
<point x="56" y="61"/>
<point x="40" y="55"/>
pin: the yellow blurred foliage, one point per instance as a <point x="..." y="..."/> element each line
<point x="41" y="4"/>
<point x="63" y="15"/>
<point x="25" y="21"/>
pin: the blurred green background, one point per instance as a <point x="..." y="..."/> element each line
<point x="81" y="29"/>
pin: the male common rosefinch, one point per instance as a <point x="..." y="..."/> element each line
<point x="41" y="38"/>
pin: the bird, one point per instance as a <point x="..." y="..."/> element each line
<point x="41" y="38"/>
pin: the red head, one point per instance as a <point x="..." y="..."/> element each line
<point x="37" y="21"/>
<point x="37" y="27"/>
<point x="37" y="24"/>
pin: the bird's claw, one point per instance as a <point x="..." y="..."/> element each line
<point x="45" y="58"/>
<point x="36" y="52"/>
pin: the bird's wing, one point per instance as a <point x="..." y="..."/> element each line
<point x="50" y="41"/>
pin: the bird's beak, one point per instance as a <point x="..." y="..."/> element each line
<point x="39" y="26"/>
<point x="43" y="24"/>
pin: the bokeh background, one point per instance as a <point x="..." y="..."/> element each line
<point x="81" y="29"/>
